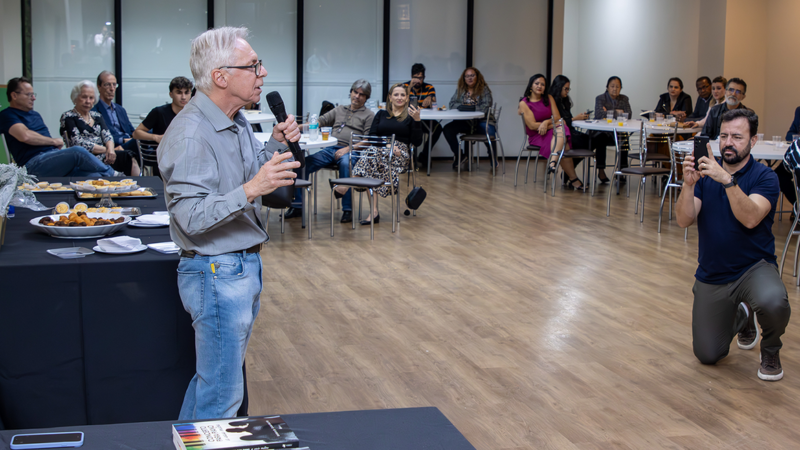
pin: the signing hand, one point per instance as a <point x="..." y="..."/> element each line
<point x="272" y="175"/>
<point x="413" y="112"/>
<point x="287" y="129"/>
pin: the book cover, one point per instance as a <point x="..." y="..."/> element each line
<point x="246" y="433"/>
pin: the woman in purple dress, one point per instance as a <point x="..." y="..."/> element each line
<point x="540" y="112"/>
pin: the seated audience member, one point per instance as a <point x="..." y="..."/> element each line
<point x="576" y="139"/>
<point x="675" y="101"/>
<point x="158" y="119"/>
<point x="426" y="94"/>
<point x="784" y="174"/>
<point x="612" y="100"/>
<point x="30" y="143"/>
<point x="344" y="120"/>
<point x="472" y="90"/>
<point x="398" y="119"/>
<point x="540" y="113"/>
<point x="717" y="97"/>
<point x="81" y="126"/>
<point x="734" y="95"/>
<point x="704" y="99"/>
<point x="114" y="115"/>
<point x="737" y="286"/>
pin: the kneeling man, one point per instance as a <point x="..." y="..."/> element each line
<point x="738" y="286"/>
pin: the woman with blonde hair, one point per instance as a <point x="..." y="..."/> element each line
<point x="472" y="91"/>
<point x="401" y="120"/>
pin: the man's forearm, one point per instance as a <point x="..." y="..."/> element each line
<point x="744" y="208"/>
<point x="685" y="212"/>
<point x="33" y="138"/>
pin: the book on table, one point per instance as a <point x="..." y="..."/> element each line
<point x="237" y="433"/>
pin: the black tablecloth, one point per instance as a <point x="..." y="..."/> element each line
<point x="97" y="340"/>
<point x="386" y="429"/>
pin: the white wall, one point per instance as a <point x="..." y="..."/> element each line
<point x="510" y="45"/>
<point x="644" y="42"/>
<point x="10" y="40"/>
<point x="783" y="65"/>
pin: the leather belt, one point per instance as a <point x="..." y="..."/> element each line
<point x="191" y="253"/>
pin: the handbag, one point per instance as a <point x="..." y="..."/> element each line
<point x="415" y="198"/>
<point x="466" y="108"/>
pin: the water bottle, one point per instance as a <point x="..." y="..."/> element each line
<point x="313" y="128"/>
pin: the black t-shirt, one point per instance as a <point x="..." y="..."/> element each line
<point x="159" y="118"/>
<point x="408" y="131"/>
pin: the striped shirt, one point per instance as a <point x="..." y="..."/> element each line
<point x="422" y="91"/>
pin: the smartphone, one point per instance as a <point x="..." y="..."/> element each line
<point x="700" y="149"/>
<point x="47" y="440"/>
<point x="413" y="101"/>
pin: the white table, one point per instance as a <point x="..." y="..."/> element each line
<point x="762" y="150"/>
<point x="253" y="116"/>
<point x="304" y="144"/>
<point x="449" y="114"/>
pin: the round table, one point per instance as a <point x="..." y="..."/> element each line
<point x="253" y="116"/>
<point x="449" y="114"/>
<point x="304" y="144"/>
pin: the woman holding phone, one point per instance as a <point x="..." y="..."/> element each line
<point x="401" y="120"/>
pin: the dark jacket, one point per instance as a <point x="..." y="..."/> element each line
<point x="684" y="104"/>
<point x="124" y="122"/>
<point x="604" y="100"/>
<point x="714" y="120"/>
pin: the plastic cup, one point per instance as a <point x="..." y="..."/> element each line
<point x="652" y="117"/>
<point x="382" y="105"/>
<point x="326" y="133"/>
<point x="609" y="116"/>
<point x="760" y="137"/>
<point x="776" y="140"/>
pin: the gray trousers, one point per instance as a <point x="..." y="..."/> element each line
<point x="717" y="319"/>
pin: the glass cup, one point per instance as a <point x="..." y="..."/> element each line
<point x="659" y="119"/>
<point x="669" y="119"/>
<point x="760" y="137"/>
<point x="304" y="131"/>
<point x="609" y="116"/>
<point x="326" y="132"/>
<point x="623" y="117"/>
<point x="652" y="117"/>
<point x="382" y="105"/>
<point x="776" y="140"/>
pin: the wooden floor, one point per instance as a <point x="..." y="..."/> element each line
<point x="530" y="321"/>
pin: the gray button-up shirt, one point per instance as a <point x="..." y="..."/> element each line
<point x="205" y="159"/>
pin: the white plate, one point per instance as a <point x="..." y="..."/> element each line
<point x="136" y="249"/>
<point x="136" y="223"/>
<point x="82" y="232"/>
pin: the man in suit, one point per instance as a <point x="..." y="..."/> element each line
<point x="115" y="116"/>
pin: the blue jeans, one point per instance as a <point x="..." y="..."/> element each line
<point x="69" y="162"/>
<point x="324" y="158"/>
<point x="223" y="304"/>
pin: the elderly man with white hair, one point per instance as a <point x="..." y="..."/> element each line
<point x="215" y="172"/>
<point x="81" y="126"/>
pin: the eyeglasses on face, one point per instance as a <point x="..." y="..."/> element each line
<point x="470" y="75"/>
<point x="114" y="85"/>
<point x="29" y="94"/>
<point x="256" y="66"/>
<point x="735" y="91"/>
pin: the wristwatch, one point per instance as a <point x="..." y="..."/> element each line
<point x="732" y="183"/>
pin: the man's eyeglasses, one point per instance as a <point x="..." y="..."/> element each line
<point x="30" y="94"/>
<point x="734" y="91"/>
<point x="114" y="85"/>
<point x="256" y="66"/>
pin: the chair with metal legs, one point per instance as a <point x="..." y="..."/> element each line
<point x="531" y="149"/>
<point x="642" y="171"/>
<point x="588" y="157"/>
<point x="9" y="158"/>
<point x="673" y="183"/>
<point x="148" y="157"/>
<point x="380" y="149"/>
<point x="792" y="159"/>
<point x="492" y="141"/>
<point x="276" y="201"/>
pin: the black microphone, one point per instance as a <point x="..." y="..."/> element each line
<point x="276" y="106"/>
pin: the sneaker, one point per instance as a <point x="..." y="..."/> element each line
<point x="770" y="369"/>
<point x="749" y="334"/>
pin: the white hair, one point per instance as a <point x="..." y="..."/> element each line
<point x="211" y="50"/>
<point x="76" y="90"/>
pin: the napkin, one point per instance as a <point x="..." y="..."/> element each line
<point x="153" y="219"/>
<point x="165" y="247"/>
<point x="119" y="243"/>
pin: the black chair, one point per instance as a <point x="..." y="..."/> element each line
<point x="281" y="199"/>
